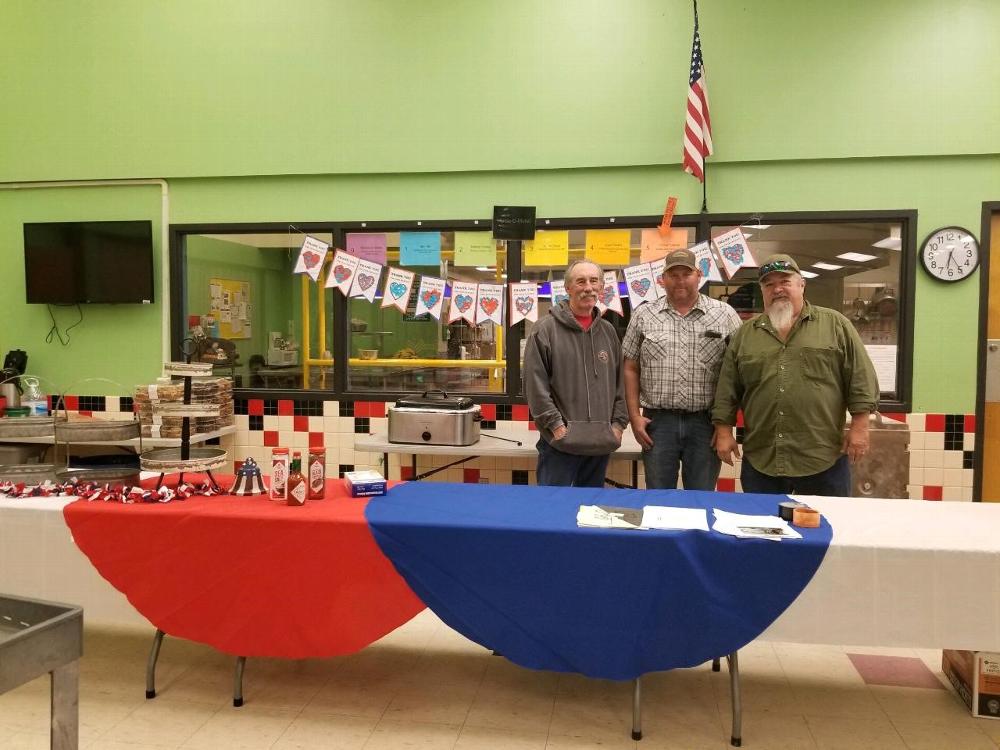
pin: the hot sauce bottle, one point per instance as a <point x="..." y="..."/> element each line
<point x="279" y="474"/>
<point x="297" y="485"/>
<point x="317" y="473"/>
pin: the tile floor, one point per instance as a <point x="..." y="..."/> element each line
<point x="426" y="687"/>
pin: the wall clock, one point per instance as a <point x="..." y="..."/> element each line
<point x="950" y="254"/>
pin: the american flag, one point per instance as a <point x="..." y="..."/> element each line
<point x="698" y="126"/>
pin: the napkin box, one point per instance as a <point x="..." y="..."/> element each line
<point x="364" y="483"/>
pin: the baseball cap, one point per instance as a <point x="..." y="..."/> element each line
<point x="680" y="258"/>
<point x="779" y="263"/>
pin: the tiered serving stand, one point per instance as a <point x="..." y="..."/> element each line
<point x="185" y="458"/>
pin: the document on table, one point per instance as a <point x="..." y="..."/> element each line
<point x="753" y="527"/>
<point x="667" y="517"/>
<point x="608" y="517"/>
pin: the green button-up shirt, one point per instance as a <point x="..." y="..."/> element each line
<point x="795" y="394"/>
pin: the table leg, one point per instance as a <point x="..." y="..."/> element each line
<point x="64" y="727"/>
<point x="154" y="654"/>
<point x="715" y="665"/>
<point x="238" y="681"/>
<point x="736" y="740"/>
<point x="637" y="709"/>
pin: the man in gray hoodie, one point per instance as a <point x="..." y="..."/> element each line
<point x="574" y="386"/>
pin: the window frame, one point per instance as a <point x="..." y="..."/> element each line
<point x="907" y="218"/>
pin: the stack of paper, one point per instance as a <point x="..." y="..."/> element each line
<point x="753" y="527"/>
<point x="666" y="517"/>
<point x="607" y="517"/>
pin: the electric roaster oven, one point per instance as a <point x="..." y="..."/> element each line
<point x="435" y="418"/>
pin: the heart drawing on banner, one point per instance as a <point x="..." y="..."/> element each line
<point x="341" y="274"/>
<point x="397" y="289"/>
<point x="489" y="305"/>
<point x="608" y="294"/>
<point x="524" y="304"/>
<point x="659" y="281"/>
<point x="430" y="298"/>
<point x="365" y="281"/>
<point x="640" y="286"/>
<point x="733" y="253"/>
<point x="464" y="302"/>
<point x="310" y="258"/>
<point x="704" y="266"/>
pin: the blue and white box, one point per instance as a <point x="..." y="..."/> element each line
<point x="365" y="483"/>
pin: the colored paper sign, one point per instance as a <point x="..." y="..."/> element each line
<point x="397" y="288"/>
<point x="523" y="302"/>
<point x="369" y="246"/>
<point x="463" y="302"/>
<point x="489" y="306"/>
<point x="366" y="279"/>
<point x="558" y="292"/>
<point x="420" y="248"/>
<point x="548" y="249"/>
<point x="430" y="296"/>
<point x="475" y="249"/>
<point x="655" y="246"/>
<point x="656" y="269"/>
<point x="609" y="247"/>
<point x="734" y="251"/>
<point x="706" y="263"/>
<point x="610" y="299"/>
<point x="341" y="273"/>
<point x="641" y="284"/>
<point x="311" y="257"/>
<point x="668" y="216"/>
<point x="513" y="222"/>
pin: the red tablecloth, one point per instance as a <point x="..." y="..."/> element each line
<point x="249" y="576"/>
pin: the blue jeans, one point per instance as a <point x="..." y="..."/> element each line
<point x="832" y="482"/>
<point x="681" y="440"/>
<point x="558" y="469"/>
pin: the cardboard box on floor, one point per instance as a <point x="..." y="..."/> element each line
<point x="976" y="677"/>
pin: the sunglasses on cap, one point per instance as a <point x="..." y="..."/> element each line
<point x="777" y="265"/>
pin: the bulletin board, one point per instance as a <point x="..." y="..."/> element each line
<point x="229" y="304"/>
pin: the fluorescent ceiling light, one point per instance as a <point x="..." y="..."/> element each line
<point x="889" y="243"/>
<point x="485" y="268"/>
<point x="761" y="226"/>
<point x="857" y="257"/>
<point x="809" y="274"/>
<point x="826" y="266"/>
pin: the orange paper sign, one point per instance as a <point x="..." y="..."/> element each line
<point x="668" y="215"/>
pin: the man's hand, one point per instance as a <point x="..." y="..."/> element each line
<point x="639" y="425"/>
<point x="856" y="440"/>
<point x="724" y="443"/>
<point x="559" y="432"/>
<point x="617" y="429"/>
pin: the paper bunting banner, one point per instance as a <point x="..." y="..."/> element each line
<point x="610" y="299"/>
<point x="523" y="302"/>
<point x="656" y="270"/>
<point x="397" y="288"/>
<point x="430" y="296"/>
<point x="558" y="292"/>
<point x="706" y="263"/>
<point x="366" y="279"/>
<point x="341" y="273"/>
<point x="641" y="284"/>
<point x="463" y="302"/>
<point x="311" y="257"/>
<point x="419" y="248"/>
<point x="490" y="303"/>
<point x="370" y="247"/>
<point x="734" y="251"/>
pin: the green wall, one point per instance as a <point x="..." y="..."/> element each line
<point x="325" y="110"/>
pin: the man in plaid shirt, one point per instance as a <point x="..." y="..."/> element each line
<point x="673" y="352"/>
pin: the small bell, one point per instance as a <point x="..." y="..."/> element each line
<point x="248" y="480"/>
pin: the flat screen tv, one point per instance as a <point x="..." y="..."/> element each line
<point x="73" y="262"/>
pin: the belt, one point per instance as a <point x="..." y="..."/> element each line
<point x="673" y="411"/>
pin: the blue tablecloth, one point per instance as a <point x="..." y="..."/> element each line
<point x="508" y="567"/>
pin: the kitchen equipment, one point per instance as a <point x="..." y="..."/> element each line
<point x="435" y="418"/>
<point x="33" y="399"/>
<point x="368" y="353"/>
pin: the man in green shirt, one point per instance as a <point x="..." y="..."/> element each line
<point x="795" y="371"/>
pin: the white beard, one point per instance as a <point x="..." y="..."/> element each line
<point x="782" y="316"/>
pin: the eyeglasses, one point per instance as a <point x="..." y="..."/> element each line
<point x="776" y="265"/>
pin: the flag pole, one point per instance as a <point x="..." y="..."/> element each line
<point x="704" y="187"/>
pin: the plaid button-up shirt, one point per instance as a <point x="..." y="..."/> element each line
<point x="679" y="356"/>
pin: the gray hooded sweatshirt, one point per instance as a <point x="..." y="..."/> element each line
<point x="573" y="377"/>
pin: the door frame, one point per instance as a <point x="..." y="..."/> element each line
<point x="985" y="243"/>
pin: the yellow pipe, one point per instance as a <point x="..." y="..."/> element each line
<point x="449" y="363"/>
<point x="306" y="352"/>
<point x="321" y="320"/>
